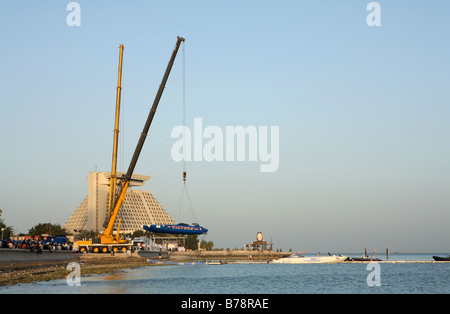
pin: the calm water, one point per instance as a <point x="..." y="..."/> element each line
<point x="397" y="278"/>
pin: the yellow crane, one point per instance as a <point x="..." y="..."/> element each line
<point x="107" y="242"/>
<point x="113" y="175"/>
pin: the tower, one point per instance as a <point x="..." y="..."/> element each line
<point x="139" y="207"/>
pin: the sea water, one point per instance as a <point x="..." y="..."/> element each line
<point x="402" y="277"/>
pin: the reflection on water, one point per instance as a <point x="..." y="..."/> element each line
<point x="258" y="278"/>
<point x="114" y="276"/>
<point x="114" y="285"/>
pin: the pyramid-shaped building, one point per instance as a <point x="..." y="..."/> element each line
<point x="139" y="207"/>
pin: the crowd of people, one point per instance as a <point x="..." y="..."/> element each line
<point x="37" y="246"/>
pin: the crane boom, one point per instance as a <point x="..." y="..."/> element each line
<point x="113" y="176"/>
<point x="107" y="237"/>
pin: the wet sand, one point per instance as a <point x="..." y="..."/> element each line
<point x="28" y="272"/>
<point x="90" y="264"/>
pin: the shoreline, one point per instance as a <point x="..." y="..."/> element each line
<point x="27" y="272"/>
<point x="21" y="273"/>
<point x="17" y="271"/>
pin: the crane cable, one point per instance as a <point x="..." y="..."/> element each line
<point x="184" y="189"/>
<point x="180" y="203"/>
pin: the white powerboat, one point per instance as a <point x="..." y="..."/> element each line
<point x="300" y="259"/>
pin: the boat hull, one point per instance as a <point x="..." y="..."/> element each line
<point x="176" y="229"/>
<point x="310" y="260"/>
<point x="441" y="259"/>
<point x="363" y="259"/>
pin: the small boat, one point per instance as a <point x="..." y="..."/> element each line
<point x="363" y="259"/>
<point x="300" y="259"/>
<point x="441" y="259"/>
<point x="180" y="228"/>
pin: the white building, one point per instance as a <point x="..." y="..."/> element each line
<point x="139" y="207"/>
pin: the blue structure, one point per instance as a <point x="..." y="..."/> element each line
<point x="180" y="228"/>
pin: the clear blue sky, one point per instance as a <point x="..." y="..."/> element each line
<point x="363" y="114"/>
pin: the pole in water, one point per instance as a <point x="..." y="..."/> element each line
<point x="387" y="253"/>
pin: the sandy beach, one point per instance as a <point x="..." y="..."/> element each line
<point x="28" y="272"/>
<point x="44" y="270"/>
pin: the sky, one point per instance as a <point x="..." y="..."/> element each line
<point x="362" y="111"/>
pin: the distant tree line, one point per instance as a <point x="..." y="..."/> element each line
<point x="47" y="228"/>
